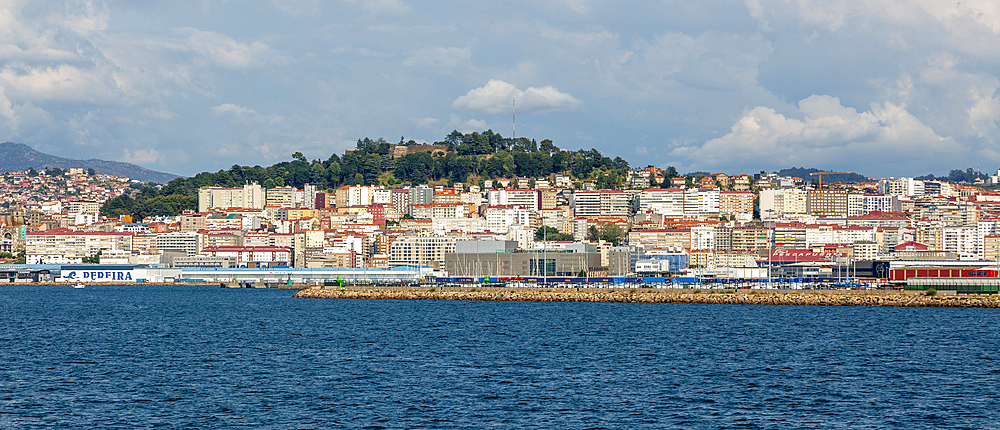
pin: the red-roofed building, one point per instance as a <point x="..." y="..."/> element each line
<point x="253" y="256"/>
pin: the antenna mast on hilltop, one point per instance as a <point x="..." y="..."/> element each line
<point x="513" y="117"/>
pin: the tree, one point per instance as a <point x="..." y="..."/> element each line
<point x="549" y="233"/>
<point x="94" y="259"/>
<point x="604" y="183"/>
<point x="670" y="173"/>
<point x="32" y="172"/>
<point x="546" y="146"/>
<point x="612" y="233"/>
<point x="91" y="171"/>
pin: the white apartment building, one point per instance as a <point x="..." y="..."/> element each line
<point x="855" y="204"/>
<point x="382" y="196"/>
<point x="881" y="203"/>
<point x="558" y="219"/>
<point x="587" y="204"/>
<point x="281" y="197"/>
<point x="251" y="256"/>
<point x="309" y="196"/>
<point x="701" y="202"/>
<point x="190" y="243"/>
<point x="500" y="218"/>
<point x="440" y="210"/>
<point x="420" y="250"/>
<point x="849" y="235"/>
<point x="703" y="237"/>
<point x="71" y="247"/>
<point x="783" y="203"/>
<point x="525" y="198"/>
<point x="669" y="202"/>
<point x="443" y="225"/>
<point x="247" y="196"/>
<point x="83" y="207"/>
<point x="963" y="241"/>
<point x="615" y="203"/>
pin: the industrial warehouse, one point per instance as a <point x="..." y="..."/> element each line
<point x="138" y="274"/>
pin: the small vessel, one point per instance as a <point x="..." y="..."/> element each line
<point x="78" y="285"/>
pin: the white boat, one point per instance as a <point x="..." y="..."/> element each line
<point x="78" y="285"/>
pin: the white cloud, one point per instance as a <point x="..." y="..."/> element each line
<point x="62" y="82"/>
<point x="376" y="7"/>
<point x="429" y="123"/>
<point x="984" y="114"/>
<point x="244" y="114"/>
<point x="971" y="26"/>
<point x="140" y="156"/>
<point x="297" y="7"/>
<point x="828" y="135"/>
<point x="496" y="97"/>
<point x="439" y="57"/>
<point x="230" y="108"/>
<point x="465" y="126"/>
<point x="86" y="17"/>
<point x="223" y="50"/>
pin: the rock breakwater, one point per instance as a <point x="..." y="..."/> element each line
<point x="658" y="296"/>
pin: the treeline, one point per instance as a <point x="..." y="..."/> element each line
<point x="969" y="176"/>
<point x="148" y="201"/>
<point x="804" y="173"/>
<point x="485" y="155"/>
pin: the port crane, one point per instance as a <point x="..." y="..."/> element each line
<point x="820" y="174"/>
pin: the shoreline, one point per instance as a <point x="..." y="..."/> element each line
<point x="730" y="297"/>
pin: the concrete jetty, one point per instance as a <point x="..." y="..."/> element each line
<point x="734" y="297"/>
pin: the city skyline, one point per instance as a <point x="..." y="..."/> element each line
<point x="883" y="89"/>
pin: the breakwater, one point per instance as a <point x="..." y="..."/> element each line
<point x="752" y="297"/>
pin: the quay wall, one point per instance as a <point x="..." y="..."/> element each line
<point x="754" y="297"/>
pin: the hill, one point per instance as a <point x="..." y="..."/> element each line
<point x="802" y="172"/>
<point x="18" y="156"/>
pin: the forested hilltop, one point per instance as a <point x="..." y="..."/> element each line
<point x="458" y="158"/>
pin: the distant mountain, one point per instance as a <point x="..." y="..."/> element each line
<point x="18" y="156"/>
<point x="802" y="172"/>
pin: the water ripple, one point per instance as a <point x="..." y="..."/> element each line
<point x="193" y="357"/>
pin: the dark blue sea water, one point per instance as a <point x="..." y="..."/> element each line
<point x="199" y="357"/>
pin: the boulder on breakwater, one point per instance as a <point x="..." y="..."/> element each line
<point x="754" y="297"/>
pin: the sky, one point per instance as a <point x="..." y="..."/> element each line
<point x="879" y="87"/>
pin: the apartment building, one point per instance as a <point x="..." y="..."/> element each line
<point x="280" y="197"/>
<point x="668" y="202"/>
<point x="783" y="203"/>
<point x="189" y="243"/>
<point x="500" y="218"/>
<point x="440" y="210"/>
<point x="736" y="204"/>
<point x="751" y="237"/>
<point x="525" y="198"/>
<point x="587" y="204"/>
<point x="60" y="246"/>
<point x="421" y="250"/>
<point x="828" y="203"/>
<point x="602" y="203"/>
<point x="679" y="238"/>
<point x="247" y="196"/>
<point x="252" y="256"/>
